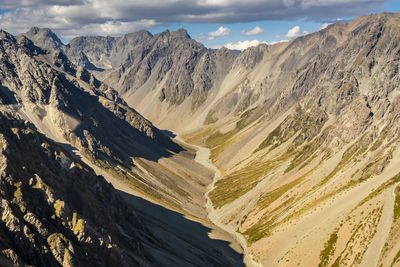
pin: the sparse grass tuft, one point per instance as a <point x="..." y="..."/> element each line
<point x="357" y="149"/>
<point x="395" y="179"/>
<point x="305" y="124"/>
<point x="218" y="141"/>
<point x="78" y="225"/>
<point x="238" y="183"/>
<point x="380" y="139"/>
<point x="396" y="211"/>
<point x="329" y="249"/>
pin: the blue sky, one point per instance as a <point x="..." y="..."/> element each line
<point x="215" y="23"/>
<point x="274" y="30"/>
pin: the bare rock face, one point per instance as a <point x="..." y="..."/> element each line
<point x="44" y="38"/>
<point x="55" y="211"/>
<point x="106" y="52"/>
<point x="184" y="67"/>
<point x="50" y="81"/>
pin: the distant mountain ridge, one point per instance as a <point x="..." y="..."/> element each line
<point x="133" y="57"/>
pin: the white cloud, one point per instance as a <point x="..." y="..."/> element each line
<point x="257" y="30"/>
<point x="296" y="31"/>
<point x="99" y="17"/>
<point x="277" y="42"/>
<point x="222" y="31"/>
<point x="242" y="45"/>
<point x="324" y="26"/>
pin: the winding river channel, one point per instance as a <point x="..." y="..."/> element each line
<point x="203" y="157"/>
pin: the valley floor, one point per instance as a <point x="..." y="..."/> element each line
<point x="208" y="233"/>
<point x="203" y="157"/>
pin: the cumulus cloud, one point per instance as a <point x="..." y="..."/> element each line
<point x="277" y="42"/>
<point x="109" y="17"/>
<point x="296" y="31"/>
<point x="257" y="30"/>
<point x="222" y="31"/>
<point x="324" y="26"/>
<point x="242" y="45"/>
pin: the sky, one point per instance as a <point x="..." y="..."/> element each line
<point x="236" y="24"/>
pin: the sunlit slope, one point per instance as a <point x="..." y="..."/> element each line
<point x="311" y="167"/>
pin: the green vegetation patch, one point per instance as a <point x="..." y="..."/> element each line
<point x="210" y="118"/>
<point x="238" y="183"/>
<point x="306" y="152"/>
<point x="307" y="124"/>
<point x="381" y="138"/>
<point x="396" y="211"/>
<point x="395" y="179"/>
<point x="396" y="259"/>
<point x="198" y="137"/>
<point x="354" y="151"/>
<point x="329" y="249"/>
<point x="218" y="141"/>
<point x="269" y="198"/>
<point x="263" y="227"/>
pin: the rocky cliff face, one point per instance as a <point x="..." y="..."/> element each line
<point x="54" y="209"/>
<point x="170" y="63"/>
<point x="173" y="61"/>
<point x="68" y="103"/>
<point x="106" y="52"/>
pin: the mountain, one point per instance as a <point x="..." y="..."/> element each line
<point x="93" y="52"/>
<point x="63" y="135"/>
<point x="304" y="133"/>
<point x="310" y="147"/>
<point x="44" y="38"/>
<point x="71" y="106"/>
<point x="158" y="71"/>
<point x="56" y="211"/>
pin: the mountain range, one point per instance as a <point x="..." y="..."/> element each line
<point x="304" y="134"/>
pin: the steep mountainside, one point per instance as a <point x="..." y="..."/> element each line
<point x="70" y="105"/>
<point x="305" y="134"/>
<point x="88" y="128"/>
<point x="55" y="211"/>
<point x="312" y="164"/>
<point x="154" y="72"/>
<point x="94" y="53"/>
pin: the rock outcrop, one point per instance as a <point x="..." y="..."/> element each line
<point x="55" y="211"/>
